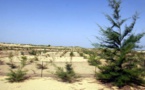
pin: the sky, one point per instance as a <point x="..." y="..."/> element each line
<point x="61" y="22"/>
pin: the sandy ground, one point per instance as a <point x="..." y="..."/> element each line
<point x="49" y="83"/>
<point x="80" y="66"/>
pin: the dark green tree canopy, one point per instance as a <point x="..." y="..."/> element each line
<point x="119" y="42"/>
<point x="116" y="36"/>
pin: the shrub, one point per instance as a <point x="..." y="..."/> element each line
<point x="11" y="63"/>
<point x="49" y="46"/>
<point x="34" y="59"/>
<point x="72" y="54"/>
<point x="63" y="53"/>
<point x="94" y="60"/>
<point x="81" y="54"/>
<point x="33" y="52"/>
<point x="85" y="51"/>
<point x="42" y="66"/>
<point x="19" y="74"/>
<point x="1" y="48"/>
<point x="23" y="61"/>
<point x="22" y="53"/>
<point x="16" y="76"/>
<point x="44" y="51"/>
<point x="67" y="75"/>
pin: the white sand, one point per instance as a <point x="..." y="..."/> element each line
<point x="48" y="83"/>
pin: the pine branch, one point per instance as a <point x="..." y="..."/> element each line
<point x="115" y="5"/>
<point x="114" y="24"/>
<point x="129" y="28"/>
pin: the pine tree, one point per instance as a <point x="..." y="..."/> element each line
<point x="123" y="65"/>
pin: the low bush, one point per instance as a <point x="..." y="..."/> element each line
<point x="81" y="54"/>
<point x="16" y="76"/>
<point x="33" y="59"/>
<point x="94" y="60"/>
<point x="63" y="53"/>
<point x="40" y="66"/>
<point x="67" y="75"/>
<point x="22" y="53"/>
<point x="72" y="54"/>
<point x="23" y="61"/>
<point x="19" y="74"/>
<point x="33" y="52"/>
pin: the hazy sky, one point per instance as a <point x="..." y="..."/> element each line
<point x="60" y="22"/>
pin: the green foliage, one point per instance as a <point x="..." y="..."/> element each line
<point x="23" y="61"/>
<point x="120" y="77"/>
<point x="22" y="53"/>
<point x="87" y="51"/>
<point x="34" y="59"/>
<point x="81" y="54"/>
<point x="64" y="52"/>
<point x="48" y="45"/>
<point x="1" y="48"/>
<point x="11" y="63"/>
<point x="24" y="58"/>
<point x="42" y="66"/>
<point x="19" y="74"/>
<point x="33" y="52"/>
<point x="67" y="75"/>
<point x="11" y="56"/>
<point x="71" y="54"/>
<point x="94" y="60"/>
<point x="123" y="65"/>
<point x="16" y="76"/>
<point x="44" y="51"/>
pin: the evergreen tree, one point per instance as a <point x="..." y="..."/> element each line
<point x="123" y="65"/>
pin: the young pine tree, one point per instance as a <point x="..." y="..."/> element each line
<point x="123" y="66"/>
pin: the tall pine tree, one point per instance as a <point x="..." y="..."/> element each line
<point x="123" y="65"/>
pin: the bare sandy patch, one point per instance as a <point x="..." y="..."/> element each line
<point x="49" y="83"/>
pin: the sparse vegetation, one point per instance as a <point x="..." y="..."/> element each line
<point x="11" y="63"/>
<point x="10" y="56"/>
<point x="94" y="60"/>
<point x="42" y="66"/>
<point x="67" y="75"/>
<point x="81" y="54"/>
<point x="23" y="61"/>
<point x="64" y="52"/>
<point x="19" y="74"/>
<point x="16" y="76"/>
<point x="71" y="56"/>
<point x="34" y="59"/>
<point x="33" y="52"/>
<point x="22" y="53"/>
